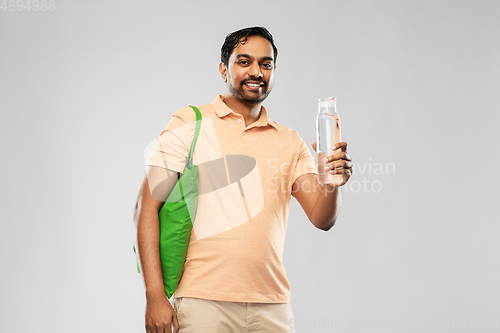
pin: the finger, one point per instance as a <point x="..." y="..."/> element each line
<point x="338" y="156"/>
<point x="340" y="171"/>
<point x="337" y="171"/>
<point x="345" y="177"/>
<point x="341" y="145"/>
<point x="313" y="144"/>
<point x="168" y="328"/>
<point x="343" y="182"/>
<point x="158" y="329"/>
<point x="339" y="164"/>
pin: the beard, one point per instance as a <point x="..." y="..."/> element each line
<point x="250" y="97"/>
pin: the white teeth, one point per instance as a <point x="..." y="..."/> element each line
<point x="253" y="85"/>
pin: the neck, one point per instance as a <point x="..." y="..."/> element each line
<point x="249" y="111"/>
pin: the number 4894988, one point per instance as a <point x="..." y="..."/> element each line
<point x="29" y="5"/>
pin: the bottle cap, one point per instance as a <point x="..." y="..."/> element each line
<point x="326" y="102"/>
<point x="327" y="105"/>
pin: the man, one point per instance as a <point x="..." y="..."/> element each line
<point x="233" y="279"/>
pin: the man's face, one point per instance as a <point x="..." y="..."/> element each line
<point x="250" y="71"/>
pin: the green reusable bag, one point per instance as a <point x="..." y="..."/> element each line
<point x="176" y="219"/>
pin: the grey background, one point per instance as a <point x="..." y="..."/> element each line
<point x="84" y="89"/>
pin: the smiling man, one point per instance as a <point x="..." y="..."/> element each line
<point x="250" y="166"/>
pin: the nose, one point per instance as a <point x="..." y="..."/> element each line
<point x="254" y="70"/>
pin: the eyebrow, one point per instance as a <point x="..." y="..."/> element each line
<point x="249" y="57"/>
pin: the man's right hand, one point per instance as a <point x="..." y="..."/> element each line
<point x="160" y="315"/>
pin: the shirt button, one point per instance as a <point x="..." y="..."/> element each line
<point x="239" y="120"/>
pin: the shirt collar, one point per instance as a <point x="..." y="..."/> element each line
<point x="222" y="110"/>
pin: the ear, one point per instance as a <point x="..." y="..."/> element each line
<point x="223" y="71"/>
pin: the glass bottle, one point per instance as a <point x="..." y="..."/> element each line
<point x="327" y="134"/>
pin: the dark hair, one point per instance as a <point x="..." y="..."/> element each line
<point x="241" y="36"/>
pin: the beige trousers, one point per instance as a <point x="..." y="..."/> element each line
<point x="196" y="315"/>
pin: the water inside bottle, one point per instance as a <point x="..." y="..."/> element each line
<point x="328" y="133"/>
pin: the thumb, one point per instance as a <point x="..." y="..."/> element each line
<point x="313" y="144"/>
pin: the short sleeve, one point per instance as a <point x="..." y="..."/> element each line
<point x="172" y="146"/>
<point x="305" y="162"/>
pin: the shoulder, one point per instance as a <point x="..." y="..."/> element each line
<point x="188" y="114"/>
<point x="291" y="138"/>
<point x="288" y="132"/>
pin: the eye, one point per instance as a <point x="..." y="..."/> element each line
<point x="268" y="65"/>
<point x="243" y="62"/>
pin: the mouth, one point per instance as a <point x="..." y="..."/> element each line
<point x="254" y="85"/>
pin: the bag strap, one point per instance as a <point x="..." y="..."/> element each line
<point x="189" y="162"/>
